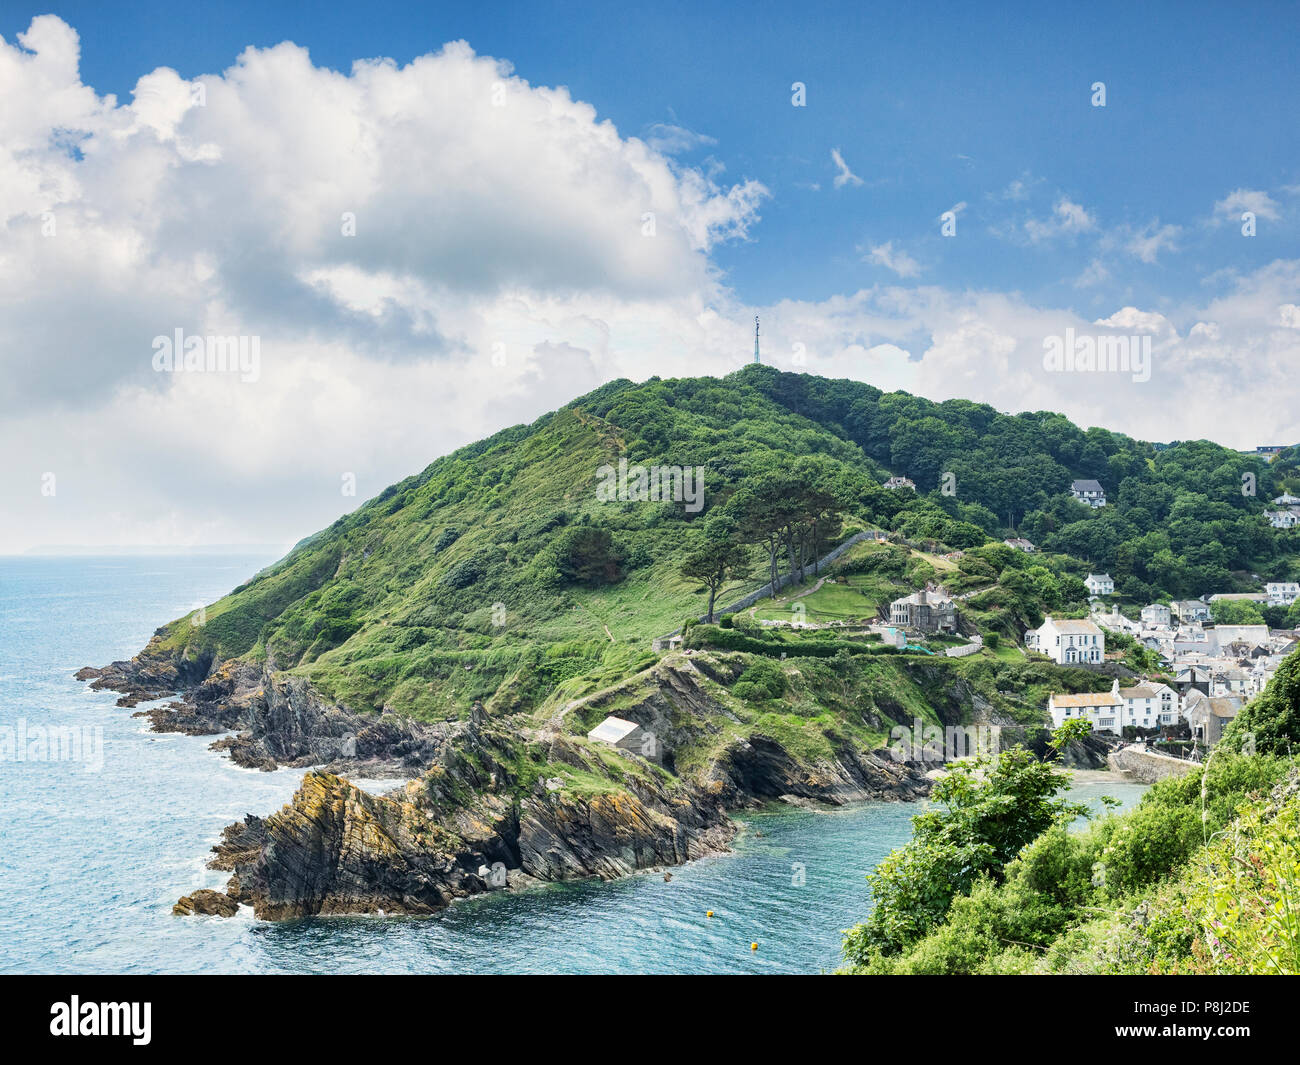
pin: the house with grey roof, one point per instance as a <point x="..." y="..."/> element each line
<point x="1089" y="492"/>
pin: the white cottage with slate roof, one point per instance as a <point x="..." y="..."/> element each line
<point x="1068" y="641"/>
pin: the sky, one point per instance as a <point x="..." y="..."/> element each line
<point x="428" y="222"/>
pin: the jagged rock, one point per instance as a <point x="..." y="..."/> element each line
<point x="206" y="902"/>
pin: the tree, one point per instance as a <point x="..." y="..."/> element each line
<point x="981" y="815"/>
<point x="715" y="560"/>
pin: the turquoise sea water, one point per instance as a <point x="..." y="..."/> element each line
<point x="94" y="851"/>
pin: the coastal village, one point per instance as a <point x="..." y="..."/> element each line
<point x="1206" y="671"/>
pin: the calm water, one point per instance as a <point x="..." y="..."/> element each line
<point x="94" y="852"/>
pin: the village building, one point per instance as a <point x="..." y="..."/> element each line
<point x="1149" y="705"/>
<point x="901" y="482"/>
<point x="924" y="611"/>
<point x="1208" y="716"/>
<point x="1020" y="544"/>
<point x="1282" y="593"/>
<point x="1068" y="641"/>
<point x="1286" y="499"/>
<point x="1191" y="610"/>
<point x="1282" y="519"/>
<point x="1156" y="615"/>
<point x="1100" y="584"/>
<point x="1102" y="710"/>
<point x="1090" y="492"/>
<point x="1190" y="678"/>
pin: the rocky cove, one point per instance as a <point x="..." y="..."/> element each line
<point x="481" y="805"/>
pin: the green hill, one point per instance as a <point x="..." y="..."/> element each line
<point x="499" y="573"/>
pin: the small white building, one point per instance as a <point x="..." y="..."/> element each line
<point x="901" y="482"/>
<point x="1099" y="584"/>
<point x="1156" y="616"/>
<point x="1282" y="593"/>
<point x="1282" y="519"/>
<point x="1020" y="544"/>
<point x="1068" y="641"/>
<point x="626" y="736"/>
<point x="1090" y="492"/>
<point x="1286" y="499"/>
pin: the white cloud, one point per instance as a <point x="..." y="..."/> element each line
<point x="845" y="176"/>
<point x="500" y="267"/>
<point x="896" y="260"/>
<point x="1231" y="207"/>
<point x="1148" y="242"/>
<point x="1067" y="218"/>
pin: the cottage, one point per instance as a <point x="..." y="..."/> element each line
<point x="1282" y="593"/>
<point x="1149" y="705"/>
<point x="1156" y="616"/>
<point x="1100" y="584"/>
<point x="1192" y="678"/>
<point x="1089" y="492"/>
<point x="1286" y="499"/>
<point x="1020" y="544"/>
<point x="1191" y="610"/>
<point x="1103" y="710"/>
<point x="1068" y="642"/>
<point x="1207" y="716"/>
<point x="924" y="611"/>
<point x="1282" y="519"/>
<point x="901" y="482"/>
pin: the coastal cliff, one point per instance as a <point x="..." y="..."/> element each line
<point x="491" y="803"/>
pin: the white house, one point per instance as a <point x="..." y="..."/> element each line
<point x="1020" y="544"/>
<point x="1149" y="705"/>
<point x="1282" y="519"/>
<point x="1282" y="593"/>
<point x="1090" y="492"/>
<point x="901" y="482"/>
<point x="1286" y="499"/>
<point x="1156" y="616"/>
<point x="1104" y="710"/>
<point x="1100" y="584"/>
<point x="1067" y="641"/>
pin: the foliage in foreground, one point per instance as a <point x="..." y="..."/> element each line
<point x="1202" y="876"/>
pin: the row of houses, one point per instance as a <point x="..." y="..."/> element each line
<point x="1149" y="706"/>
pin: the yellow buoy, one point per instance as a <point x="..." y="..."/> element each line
<point x="709" y="914"/>
<point x="753" y="946"/>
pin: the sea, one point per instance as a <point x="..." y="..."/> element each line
<point x="103" y="825"/>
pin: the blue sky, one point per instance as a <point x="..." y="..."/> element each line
<point x="498" y="262"/>
<point x="930" y="105"/>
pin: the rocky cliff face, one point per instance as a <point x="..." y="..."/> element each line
<point x="335" y="849"/>
<point x="494" y="803"/>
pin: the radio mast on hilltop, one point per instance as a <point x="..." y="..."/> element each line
<point x="756" y="338"/>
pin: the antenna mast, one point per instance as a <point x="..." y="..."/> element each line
<point x="756" y="338"/>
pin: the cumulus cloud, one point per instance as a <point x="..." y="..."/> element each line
<point x="428" y="253"/>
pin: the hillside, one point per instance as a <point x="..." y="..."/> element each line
<point x="498" y="572"/>
<point x="468" y="626"/>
